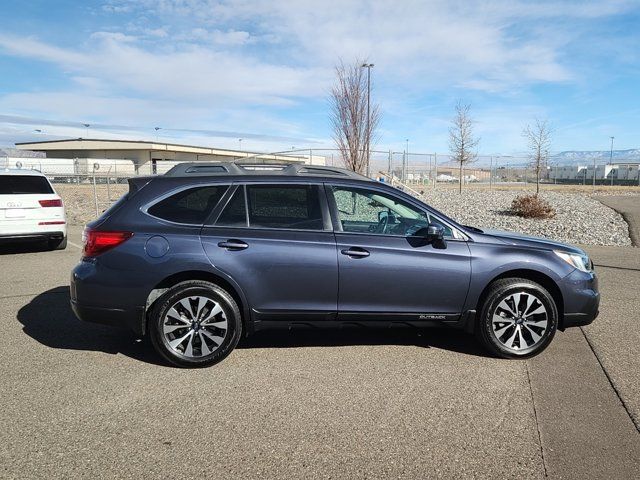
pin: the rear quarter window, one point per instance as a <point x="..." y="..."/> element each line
<point x="191" y="206"/>
<point x="24" y="185"/>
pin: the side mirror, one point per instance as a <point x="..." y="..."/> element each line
<point x="433" y="234"/>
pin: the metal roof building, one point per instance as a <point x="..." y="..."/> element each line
<point x="146" y="156"/>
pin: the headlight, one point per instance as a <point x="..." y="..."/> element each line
<point x="579" y="261"/>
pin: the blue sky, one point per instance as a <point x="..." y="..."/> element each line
<point x="210" y="72"/>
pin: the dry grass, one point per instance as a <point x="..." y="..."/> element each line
<point x="532" y="206"/>
<point x="80" y="202"/>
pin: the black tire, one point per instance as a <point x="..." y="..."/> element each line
<point x="505" y="289"/>
<point x="57" y="244"/>
<point x="187" y="290"/>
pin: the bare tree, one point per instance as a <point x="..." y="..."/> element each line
<point x="539" y="143"/>
<point x="352" y="132"/>
<point x="462" y="143"/>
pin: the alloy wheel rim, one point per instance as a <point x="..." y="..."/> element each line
<point x="519" y="321"/>
<point x="195" y="326"/>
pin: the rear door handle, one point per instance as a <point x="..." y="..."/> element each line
<point x="355" y="252"/>
<point x="233" y="245"/>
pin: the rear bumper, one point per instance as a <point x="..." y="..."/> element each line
<point x="88" y="290"/>
<point x="115" y="317"/>
<point x="37" y="236"/>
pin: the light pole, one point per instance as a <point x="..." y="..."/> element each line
<point x="407" y="155"/>
<point x="86" y="125"/>
<point x="611" y="161"/>
<point x="368" y="66"/>
<point x="240" y="144"/>
<point x="157" y="129"/>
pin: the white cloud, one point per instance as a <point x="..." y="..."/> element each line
<point x="114" y="37"/>
<point x="198" y="62"/>
<point x="194" y="74"/>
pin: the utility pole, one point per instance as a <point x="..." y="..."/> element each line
<point x="611" y="161"/>
<point x="368" y="66"/>
<point x="389" y="166"/>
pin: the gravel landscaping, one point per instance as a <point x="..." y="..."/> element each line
<point x="579" y="219"/>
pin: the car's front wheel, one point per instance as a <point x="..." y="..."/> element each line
<point x="195" y="324"/>
<point x="518" y="318"/>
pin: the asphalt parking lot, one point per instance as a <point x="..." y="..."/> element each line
<point x="83" y="400"/>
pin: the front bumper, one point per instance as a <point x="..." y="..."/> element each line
<point x="581" y="299"/>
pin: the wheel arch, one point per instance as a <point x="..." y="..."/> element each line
<point x="231" y="287"/>
<point x="544" y="280"/>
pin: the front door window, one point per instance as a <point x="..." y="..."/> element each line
<point x="362" y="210"/>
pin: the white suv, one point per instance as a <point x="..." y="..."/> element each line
<point x="31" y="209"/>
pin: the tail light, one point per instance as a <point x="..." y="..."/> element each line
<point x="56" y="202"/>
<point x="97" y="242"/>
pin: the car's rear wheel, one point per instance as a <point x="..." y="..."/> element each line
<point x="195" y="324"/>
<point x="518" y="318"/>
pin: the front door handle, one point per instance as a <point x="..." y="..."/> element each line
<point x="355" y="252"/>
<point x="233" y="245"/>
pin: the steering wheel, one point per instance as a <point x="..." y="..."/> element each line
<point x="382" y="225"/>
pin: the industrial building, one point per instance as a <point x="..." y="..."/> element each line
<point x="132" y="157"/>
<point x="625" y="173"/>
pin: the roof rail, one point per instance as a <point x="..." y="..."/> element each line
<point x="238" y="168"/>
<point x="203" y="168"/>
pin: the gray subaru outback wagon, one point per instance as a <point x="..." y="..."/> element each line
<point x="207" y="253"/>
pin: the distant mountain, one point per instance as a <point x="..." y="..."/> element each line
<point x="14" y="152"/>
<point x="601" y="156"/>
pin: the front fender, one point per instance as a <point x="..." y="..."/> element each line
<point x="490" y="261"/>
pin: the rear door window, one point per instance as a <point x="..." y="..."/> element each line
<point x="190" y="206"/>
<point x="285" y="206"/>
<point x="24" y="185"/>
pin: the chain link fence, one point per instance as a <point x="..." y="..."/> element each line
<point x="90" y="185"/>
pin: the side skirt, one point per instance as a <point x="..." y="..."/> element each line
<point x="263" y="320"/>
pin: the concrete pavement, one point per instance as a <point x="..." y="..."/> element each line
<point x="86" y="400"/>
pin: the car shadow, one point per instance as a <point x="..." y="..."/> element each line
<point x="441" y="338"/>
<point x="49" y="320"/>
